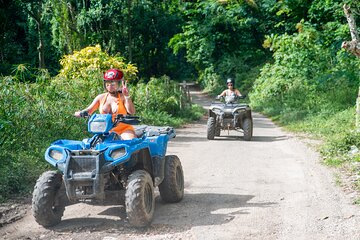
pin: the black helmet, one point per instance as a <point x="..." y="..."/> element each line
<point x="230" y="80"/>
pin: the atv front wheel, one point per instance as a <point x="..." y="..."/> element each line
<point x="49" y="199"/>
<point x="211" y="128"/>
<point x="248" y="128"/>
<point x="140" y="199"/>
<point x="172" y="187"/>
<point x="217" y="131"/>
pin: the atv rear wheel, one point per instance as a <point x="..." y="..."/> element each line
<point x="248" y="128"/>
<point x="140" y="199"/>
<point x="49" y="199"/>
<point x="172" y="187"/>
<point x="211" y="128"/>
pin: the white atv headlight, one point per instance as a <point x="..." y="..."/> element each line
<point x="98" y="126"/>
<point x="56" y="154"/>
<point x="117" y="153"/>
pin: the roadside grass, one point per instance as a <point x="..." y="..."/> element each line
<point x="340" y="142"/>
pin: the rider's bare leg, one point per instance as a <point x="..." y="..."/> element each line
<point x="128" y="135"/>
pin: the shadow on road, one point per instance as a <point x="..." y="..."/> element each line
<point x="200" y="209"/>
<point x="196" y="209"/>
<point x="187" y="139"/>
<point x="269" y="138"/>
<point x="253" y="139"/>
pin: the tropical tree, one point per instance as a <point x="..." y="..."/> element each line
<point x="221" y="39"/>
<point x="353" y="46"/>
<point x="35" y="10"/>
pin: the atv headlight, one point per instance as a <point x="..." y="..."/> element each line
<point x="97" y="127"/>
<point x="100" y="123"/>
<point x="56" y="154"/>
<point x="117" y="153"/>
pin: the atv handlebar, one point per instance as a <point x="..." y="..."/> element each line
<point x="84" y="114"/>
<point x="120" y="118"/>
<point x="128" y="119"/>
<point x="236" y="97"/>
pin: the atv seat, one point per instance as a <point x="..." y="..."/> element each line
<point x="140" y="130"/>
<point x="156" y="130"/>
<point x="151" y="131"/>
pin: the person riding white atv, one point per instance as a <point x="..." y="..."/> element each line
<point x="229" y="114"/>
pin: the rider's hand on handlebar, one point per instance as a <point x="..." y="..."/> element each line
<point x="81" y="114"/>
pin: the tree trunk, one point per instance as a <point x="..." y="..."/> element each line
<point x="41" y="46"/>
<point x="352" y="46"/>
<point x="357" y="120"/>
<point x="36" y="12"/>
<point x="129" y="3"/>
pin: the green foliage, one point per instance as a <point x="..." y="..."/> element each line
<point x="23" y="132"/>
<point x="305" y="78"/>
<point x="90" y="62"/>
<point x="157" y="118"/>
<point x="158" y="90"/>
<point x="64" y="30"/>
<point x="140" y="31"/>
<point x="219" y="41"/>
<point x="210" y="80"/>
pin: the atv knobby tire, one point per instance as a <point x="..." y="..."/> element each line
<point x="140" y="199"/>
<point x="248" y="128"/>
<point x="49" y="199"/>
<point x="217" y="131"/>
<point x="172" y="187"/>
<point x="211" y="128"/>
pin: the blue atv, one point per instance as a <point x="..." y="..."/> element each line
<point x="92" y="169"/>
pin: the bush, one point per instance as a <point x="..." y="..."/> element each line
<point x="158" y="95"/>
<point x="92" y="61"/>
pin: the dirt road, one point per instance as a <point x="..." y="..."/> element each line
<point x="272" y="187"/>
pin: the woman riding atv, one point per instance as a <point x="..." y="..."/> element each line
<point x="114" y="101"/>
<point x="231" y="93"/>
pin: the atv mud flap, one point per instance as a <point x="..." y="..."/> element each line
<point x="236" y="118"/>
<point x="83" y="178"/>
<point x="158" y="166"/>
<point x="220" y="120"/>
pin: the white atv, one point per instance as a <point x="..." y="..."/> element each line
<point x="228" y="114"/>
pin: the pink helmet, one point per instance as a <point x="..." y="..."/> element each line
<point x="113" y="75"/>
